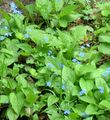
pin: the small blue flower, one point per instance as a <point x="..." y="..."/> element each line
<point x="78" y="62"/>
<point x="74" y="60"/>
<point x="13" y="6"/>
<point x="61" y="65"/>
<point x="104" y="74"/>
<point x="50" y="65"/>
<point x="49" y="52"/>
<point x="2" y="38"/>
<point x="66" y="112"/>
<point x="82" y="46"/>
<point x="81" y="54"/>
<point x="84" y="115"/>
<point x="63" y="87"/>
<point x="26" y="35"/>
<point x="17" y="12"/>
<point x="5" y="27"/>
<point x="58" y="0"/>
<point x="88" y="45"/>
<point x="82" y="92"/>
<point x="101" y="89"/>
<point x="46" y="39"/>
<point x="8" y="34"/>
<point x="48" y="84"/>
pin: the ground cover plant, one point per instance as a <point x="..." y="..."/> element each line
<point x="55" y="60"/>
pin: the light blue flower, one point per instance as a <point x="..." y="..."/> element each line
<point x="66" y="112"/>
<point x="88" y="45"/>
<point x="101" y="89"/>
<point x="49" y="52"/>
<point x="17" y="12"/>
<point x="8" y="34"/>
<point x="2" y="38"/>
<point x="48" y="84"/>
<point x="82" y="92"/>
<point x="84" y="115"/>
<point x="61" y="65"/>
<point x="26" y="35"/>
<point x="46" y="39"/>
<point x="58" y="0"/>
<point x="63" y="87"/>
<point x="78" y="62"/>
<point x="5" y="27"/>
<point x="82" y="46"/>
<point x="50" y="65"/>
<point x="13" y="6"/>
<point x="81" y="54"/>
<point x="74" y="60"/>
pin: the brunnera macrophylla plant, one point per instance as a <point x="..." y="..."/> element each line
<point x="51" y="69"/>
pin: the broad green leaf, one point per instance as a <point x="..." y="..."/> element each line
<point x="105" y="103"/>
<point x="17" y="101"/>
<point x="4" y="99"/>
<point x="104" y="48"/>
<point x="91" y="109"/>
<point x="68" y="74"/>
<point x="88" y="99"/>
<point x="44" y="7"/>
<point x="67" y="10"/>
<point x="59" y="4"/>
<point x="86" y="84"/>
<point x="11" y="114"/>
<point x="52" y="99"/>
<point x="104" y="38"/>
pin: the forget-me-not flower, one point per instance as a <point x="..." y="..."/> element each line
<point x="50" y="65"/>
<point x="88" y="45"/>
<point x="82" y="92"/>
<point x="26" y="35"/>
<point x="82" y="46"/>
<point x="49" y="52"/>
<point x="14" y="8"/>
<point x="48" y="84"/>
<point x="61" y="65"/>
<point x="107" y="72"/>
<point x="2" y="38"/>
<point x="66" y="112"/>
<point x="101" y="89"/>
<point x="76" y="61"/>
<point x="81" y="54"/>
<point x="84" y="114"/>
<point x="8" y="34"/>
<point x="63" y="87"/>
<point x="46" y="39"/>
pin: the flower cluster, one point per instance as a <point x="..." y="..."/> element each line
<point x="76" y="61"/>
<point x="82" y="92"/>
<point x="14" y="8"/>
<point x="66" y="112"/>
<point x="101" y="89"/>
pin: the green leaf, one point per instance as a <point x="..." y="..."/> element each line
<point x="91" y="109"/>
<point x="86" y="84"/>
<point x="104" y="38"/>
<point x="17" y="101"/>
<point x="100" y="82"/>
<point x="104" y="48"/>
<point x="105" y="103"/>
<point x="68" y="74"/>
<point x="67" y="10"/>
<point x="88" y="99"/>
<point x="11" y="114"/>
<point x="52" y="99"/>
<point x="58" y="4"/>
<point x="4" y="99"/>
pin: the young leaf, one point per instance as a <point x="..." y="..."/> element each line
<point x="52" y="99"/>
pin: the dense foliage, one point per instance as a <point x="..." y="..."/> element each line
<point x="55" y="60"/>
